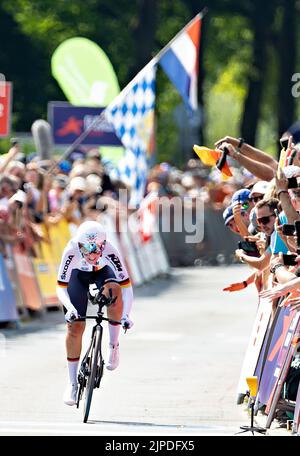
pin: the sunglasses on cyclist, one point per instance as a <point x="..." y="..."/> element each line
<point x="91" y="247"/>
<point x="265" y="220"/>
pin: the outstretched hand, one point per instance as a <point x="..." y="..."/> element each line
<point x="235" y="287"/>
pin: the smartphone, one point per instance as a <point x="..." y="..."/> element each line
<point x="14" y="141"/>
<point x="292" y="182"/>
<point x="288" y="230"/>
<point x="284" y="142"/>
<point x="297" y="226"/>
<point x="289" y="260"/>
<point x="250" y="248"/>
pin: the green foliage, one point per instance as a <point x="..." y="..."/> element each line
<point x="33" y="29"/>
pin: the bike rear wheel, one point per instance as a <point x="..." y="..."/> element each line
<point x="94" y="362"/>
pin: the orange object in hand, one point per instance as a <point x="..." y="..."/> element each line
<point x="209" y="157"/>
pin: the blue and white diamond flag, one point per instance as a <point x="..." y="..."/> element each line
<point x="132" y="115"/>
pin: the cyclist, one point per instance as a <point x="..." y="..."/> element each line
<point x="89" y="259"/>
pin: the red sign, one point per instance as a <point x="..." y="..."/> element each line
<point x="5" y="108"/>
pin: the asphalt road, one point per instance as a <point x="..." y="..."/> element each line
<point x="178" y="372"/>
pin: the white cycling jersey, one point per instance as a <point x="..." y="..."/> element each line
<point x="73" y="259"/>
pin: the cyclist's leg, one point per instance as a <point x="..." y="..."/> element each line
<point x="115" y="310"/>
<point x="78" y="295"/>
<point x="106" y="278"/>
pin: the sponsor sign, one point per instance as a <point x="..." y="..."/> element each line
<point x="69" y="122"/>
<point x="276" y="338"/>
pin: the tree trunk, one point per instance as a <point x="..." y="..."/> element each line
<point x="144" y="35"/>
<point x="261" y="19"/>
<point x="287" y="67"/>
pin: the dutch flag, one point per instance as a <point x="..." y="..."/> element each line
<point x="180" y="61"/>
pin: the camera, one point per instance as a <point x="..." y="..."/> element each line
<point x="14" y="141"/>
<point x="288" y="230"/>
<point x="292" y="182"/>
<point x="289" y="260"/>
<point x="284" y="142"/>
<point x="249" y="247"/>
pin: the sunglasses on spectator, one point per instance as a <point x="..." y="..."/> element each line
<point x="265" y="220"/>
<point x="255" y="199"/>
<point x="296" y="193"/>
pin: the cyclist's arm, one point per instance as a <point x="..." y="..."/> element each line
<point x="117" y="263"/>
<point x="64" y="273"/>
<point x="64" y="298"/>
<point x="127" y="298"/>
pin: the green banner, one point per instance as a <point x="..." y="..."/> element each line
<point x="84" y="73"/>
<point x="87" y="78"/>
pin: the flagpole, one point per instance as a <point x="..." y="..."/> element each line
<point x="156" y="58"/>
<point x="164" y="49"/>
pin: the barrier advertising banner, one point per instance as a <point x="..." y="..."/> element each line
<point x="8" y="307"/>
<point x="27" y="280"/>
<point x="5" y="108"/>
<point x="297" y="411"/>
<point x="255" y="344"/>
<point x="276" y="338"/>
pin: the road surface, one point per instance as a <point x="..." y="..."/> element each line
<point x="178" y="371"/>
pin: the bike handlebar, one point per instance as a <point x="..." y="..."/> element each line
<point x="101" y="300"/>
<point x="94" y="317"/>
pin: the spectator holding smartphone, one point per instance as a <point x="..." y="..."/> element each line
<point x="266" y="213"/>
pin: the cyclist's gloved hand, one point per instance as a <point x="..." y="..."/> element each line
<point x="126" y="322"/>
<point x="71" y="315"/>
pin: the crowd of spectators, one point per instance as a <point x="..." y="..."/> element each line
<point x="264" y="215"/>
<point x="35" y="191"/>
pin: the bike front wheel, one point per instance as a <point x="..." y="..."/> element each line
<point x="94" y="362"/>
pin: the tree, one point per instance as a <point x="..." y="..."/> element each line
<point x="287" y="66"/>
<point x="261" y="17"/>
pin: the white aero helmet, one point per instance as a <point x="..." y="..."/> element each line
<point x="91" y="237"/>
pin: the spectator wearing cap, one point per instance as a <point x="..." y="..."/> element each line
<point x="266" y="217"/>
<point x="228" y="218"/>
<point x="72" y="208"/>
<point x="7" y="189"/>
<point x="64" y="167"/>
<point x="16" y="168"/>
<point x="258" y="191"/>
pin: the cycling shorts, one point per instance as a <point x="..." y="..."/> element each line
<point x="78" y="286"/>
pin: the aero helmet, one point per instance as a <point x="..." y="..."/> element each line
<point x="91" y="237"/>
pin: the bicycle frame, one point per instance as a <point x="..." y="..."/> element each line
<point x="89" y="377"/>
